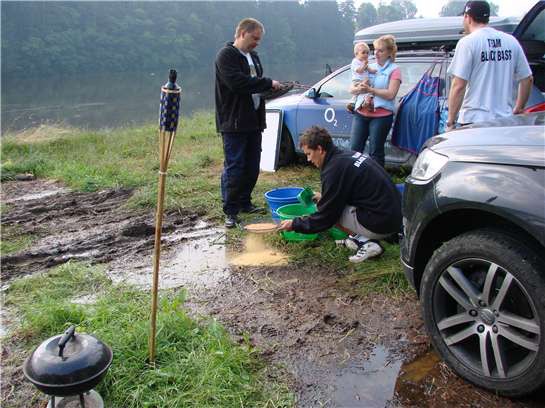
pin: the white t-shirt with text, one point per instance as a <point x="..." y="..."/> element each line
<point x="492" y="62"/>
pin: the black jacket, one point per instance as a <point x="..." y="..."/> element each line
<point x="235" y="110"/>
<point x="351" y="178"/>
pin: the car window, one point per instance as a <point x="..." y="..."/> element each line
<point x="337" y="87"/>
<point x="411" y="72"/>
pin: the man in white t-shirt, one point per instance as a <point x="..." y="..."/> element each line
<point x="486" y="66"/>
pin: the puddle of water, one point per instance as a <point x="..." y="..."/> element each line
<point x="41" y="194"/>
<point x="256" y="253"/>
<point x="417" y="370"/>
<point x="8" y="322"/>
<point x="366" y="383"/>
<point x="381" y="380"/>
<point x="200" y="224"/>
<point x="198" y="259"/>
<point x="411" y="383"/>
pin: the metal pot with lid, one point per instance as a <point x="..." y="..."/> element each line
<point x="68" y="364"/>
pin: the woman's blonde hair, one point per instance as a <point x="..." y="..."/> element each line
<point x="389" y="42"/>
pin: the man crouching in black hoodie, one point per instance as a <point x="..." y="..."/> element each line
<point x="357" y="195"/>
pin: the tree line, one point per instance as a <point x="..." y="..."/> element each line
<point x="368" y="15"/>
<point x="69" y="37"/>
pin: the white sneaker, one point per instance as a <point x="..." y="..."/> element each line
<point x="350" y="243"/>
<point x="368" y="250"/>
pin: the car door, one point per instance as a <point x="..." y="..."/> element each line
<point x="325" y="105"/>
<point x="531" y="35"/>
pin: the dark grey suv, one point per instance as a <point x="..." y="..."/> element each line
<point x="474" y="249"/>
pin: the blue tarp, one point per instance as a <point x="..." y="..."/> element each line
<point x="417" y="117"/>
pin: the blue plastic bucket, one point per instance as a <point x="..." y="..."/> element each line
<point x="281" y="196"/>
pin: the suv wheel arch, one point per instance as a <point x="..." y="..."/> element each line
<point x="446" y="226"/>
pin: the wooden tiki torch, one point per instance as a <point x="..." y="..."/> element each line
<point x="168" y="121"/>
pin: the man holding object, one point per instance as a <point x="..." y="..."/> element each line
<point x="240" y="116"/>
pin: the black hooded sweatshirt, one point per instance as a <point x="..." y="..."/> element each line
<point x="351" y="178"/>
<point x="235" y="111"/>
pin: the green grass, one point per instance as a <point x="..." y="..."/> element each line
<point x="129" y="157"/>
<point x="89" y="161"/>
<point x="384" y="274"/>
<point x="197" y="365"/>
<point x="12" y="241"/>
<point x="399" y="175"/>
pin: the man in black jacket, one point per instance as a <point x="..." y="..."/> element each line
<point x="357" y="195"/>
<point x="240" y="116"/>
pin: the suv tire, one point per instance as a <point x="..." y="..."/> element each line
<point x="477" y="290"/>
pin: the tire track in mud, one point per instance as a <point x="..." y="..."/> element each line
<point x="93" y="227"/>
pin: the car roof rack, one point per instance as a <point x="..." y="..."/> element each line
<point x="428" y="33"/>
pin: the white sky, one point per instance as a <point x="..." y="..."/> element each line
<point x="431" y="8"/>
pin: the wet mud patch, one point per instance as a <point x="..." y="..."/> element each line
<point x="339" y="350"/>
<point x="91" y="227"/>
<point x="192" y="257"/>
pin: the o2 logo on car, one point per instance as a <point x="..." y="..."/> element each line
<point x="329" y="116"/>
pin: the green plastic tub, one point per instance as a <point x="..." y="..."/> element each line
<point x="337" y="233"/>
<point x="289" y="212"/>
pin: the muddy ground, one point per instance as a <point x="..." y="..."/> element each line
<point x="338" y="349"/>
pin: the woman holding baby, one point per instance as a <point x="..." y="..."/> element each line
<point x="373" y="119"/>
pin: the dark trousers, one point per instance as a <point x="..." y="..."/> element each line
<point x="242" y="154"/>
<point x="374" y="129"/>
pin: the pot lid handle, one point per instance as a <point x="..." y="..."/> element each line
<point x="65" y="337"/>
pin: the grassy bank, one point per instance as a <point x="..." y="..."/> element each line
<point x="90" y="161"/>
<point x="197" y="364"/>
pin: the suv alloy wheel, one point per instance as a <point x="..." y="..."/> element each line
<point x="484" y="306"/>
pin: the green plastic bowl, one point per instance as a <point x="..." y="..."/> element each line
<point x="305" y="197"/>
<point x="289" y="212"/>
<point x="337" y="234"/>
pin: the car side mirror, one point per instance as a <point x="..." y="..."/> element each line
<point x="311" y="93"/>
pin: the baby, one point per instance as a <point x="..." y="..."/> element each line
<point x="361" y="72"/>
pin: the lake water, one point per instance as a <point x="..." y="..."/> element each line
<point x="98" y="101"/>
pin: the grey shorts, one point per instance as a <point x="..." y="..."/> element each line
<point x="349" y="220"/>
